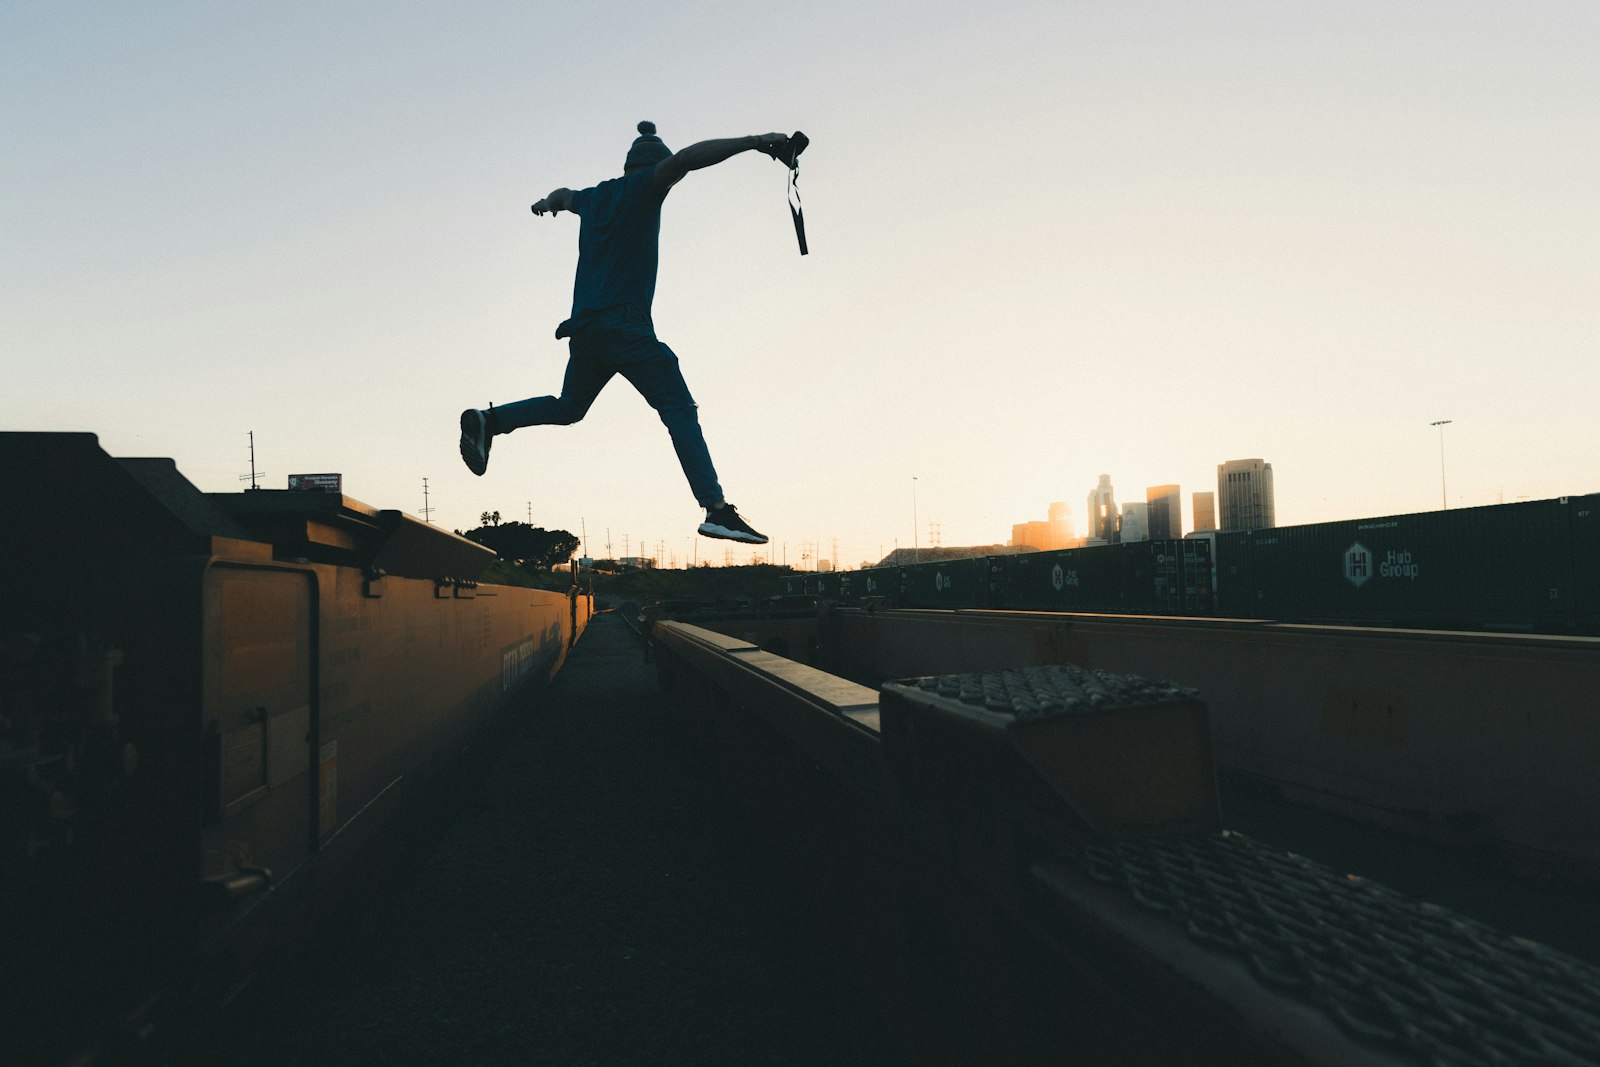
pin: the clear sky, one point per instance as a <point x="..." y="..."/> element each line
<point x="1049" y="240"/>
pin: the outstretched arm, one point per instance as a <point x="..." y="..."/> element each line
<point x="708" y="154"/>
<point x="558" y="200"/>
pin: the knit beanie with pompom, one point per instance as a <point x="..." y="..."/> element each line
<point x="647" y="148"/>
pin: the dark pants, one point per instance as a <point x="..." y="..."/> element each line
<point x="623" y="341"/>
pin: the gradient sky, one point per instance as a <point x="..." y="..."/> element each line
<point x="1049" y="241"/>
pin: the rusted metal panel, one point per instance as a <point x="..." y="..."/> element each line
<point x="267" y="713"/>
<point x="984" y="901"/>
<point x="1113" y="753"/>
<point x="1487" y="738"/>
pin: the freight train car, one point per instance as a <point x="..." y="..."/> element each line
<point x="210" y="707"/>
<point x="1531" y="567"/>
<point x="950" y="583"/>
<point x="1166" y="577"/>
<point x="1525" y="566"/>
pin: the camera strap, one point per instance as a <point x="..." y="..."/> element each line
<point x="795" y="209"/>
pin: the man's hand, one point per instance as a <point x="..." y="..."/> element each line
<point x="559" y="200"/>
<point x="783" y="147"/>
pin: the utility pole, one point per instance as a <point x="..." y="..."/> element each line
<point x="1444" y="495"/>
<point x="254" y="474"/>
<point x="916" y="545"/>
<point x="530" y="513"/>
<point x="427" y="509"/>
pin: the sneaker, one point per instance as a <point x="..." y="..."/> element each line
<point x="475" y="439"/>
<point x="724" y="522"/>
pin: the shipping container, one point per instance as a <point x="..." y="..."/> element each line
<point x="950" y="583"/>
<point x="1198" y="585"/>
<point x="1585" y="511"/>
<point x="1181" y="577"/>
<point x="824" y="584"/>
<point x="1069" y="579"/>
<point x="881" y="582"/>
<point x="1503" y="567"/>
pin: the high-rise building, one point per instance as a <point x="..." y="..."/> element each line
<point x="1244" y="495"/>
<point x="1102" y="517"/>
<point x="1134" y="524"/>
<point x="1046" y="536"/>
<point x="1166" y="512"/>
<point x="1205" y="512"/>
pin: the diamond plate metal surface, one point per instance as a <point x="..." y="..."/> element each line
<point x="1058" y="689"/>
<point x="1390" y="971"/>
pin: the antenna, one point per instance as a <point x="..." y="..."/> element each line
<point x="254" y="474"/>
<point x="427" y="510"/>
<point x="530" y="513"/>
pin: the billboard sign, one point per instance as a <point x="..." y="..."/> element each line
<point x="326" y="483"/>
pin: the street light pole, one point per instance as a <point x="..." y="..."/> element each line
<point x="916" y="545"/>
<point x="1444" y="495"/>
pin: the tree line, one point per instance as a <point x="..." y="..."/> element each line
<point x="531" y="546"/>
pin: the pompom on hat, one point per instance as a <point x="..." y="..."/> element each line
<point x="647" y="148"/>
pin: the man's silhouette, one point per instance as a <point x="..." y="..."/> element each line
<point x="610" y="331"/>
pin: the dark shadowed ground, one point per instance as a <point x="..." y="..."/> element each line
<point x="596" y="898"/>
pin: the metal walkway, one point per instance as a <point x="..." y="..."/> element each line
<point x="596" y="898"/>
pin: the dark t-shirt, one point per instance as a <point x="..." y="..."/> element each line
<point x="618" y="246"/>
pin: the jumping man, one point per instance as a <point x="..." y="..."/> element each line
<point x="610" y="331"/>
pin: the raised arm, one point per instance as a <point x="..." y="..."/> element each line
<point x="558" y="200"/>
<point x="708" y="154"/>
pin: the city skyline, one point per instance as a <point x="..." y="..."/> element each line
<point x="1197" y="237"/>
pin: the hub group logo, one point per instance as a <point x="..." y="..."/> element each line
<point x="1360" y="565"/>
<point x="1357" y="564"/>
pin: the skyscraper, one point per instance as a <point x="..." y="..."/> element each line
<point x="1205" y="512"/>
<point x="1244" y="495"/>
<point x="1134" y="524"/>
<point x="1046" y="536"/>
<point x="1165" y="504"/>
<point x="1102" y="516"/>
